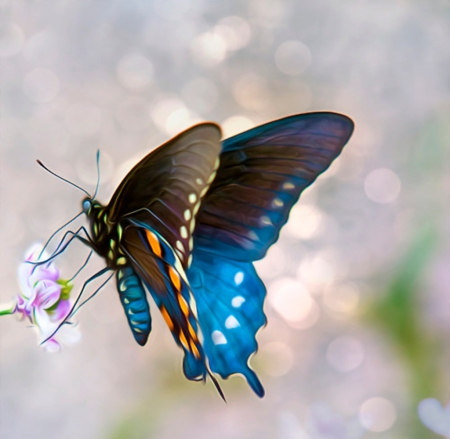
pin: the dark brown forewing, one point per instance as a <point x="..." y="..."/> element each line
<point x="261" y="175"/>
<point x="165" y="188"/>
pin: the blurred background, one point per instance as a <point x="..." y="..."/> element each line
<point x="358" y="299"/>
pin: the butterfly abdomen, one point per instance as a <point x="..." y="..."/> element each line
<point x="134" y="302"/>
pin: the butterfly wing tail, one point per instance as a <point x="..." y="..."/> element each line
<point x="134" y="302"/>
<point x="229" y="297"/>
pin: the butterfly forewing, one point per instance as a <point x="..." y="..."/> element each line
<point x="164" y="190"/>
<point x="261" y="175"/>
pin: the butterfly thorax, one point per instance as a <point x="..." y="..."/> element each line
<point x="105" y="235"/>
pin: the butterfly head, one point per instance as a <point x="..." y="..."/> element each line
<point x="91" y="207"/>
<point x="96" y="214"/>
<point x="87" y="205"/>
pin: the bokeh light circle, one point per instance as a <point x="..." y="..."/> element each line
<point x="377" y="414"/>
<point x="305" y="221"/>
<point x="291" y="300"/>
<point x="236" y="124"/>
<point x="292" y="57"/>
<point x="41" y="85"/>
<point x="382" y="185"/>
<point x="12" y="39"/>
<point x="208" y="49"/>
<point x="235" y="31"/>
<point x="134" y="71"/>
<point x="83" y="118"/>
<point x="345" y="353"/>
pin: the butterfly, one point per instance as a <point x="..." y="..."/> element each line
<point x="189" y="220"/>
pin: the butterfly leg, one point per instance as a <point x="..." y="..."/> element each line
<point x="58" y="230"/>
<point x="62" y="248"/>
<point x="70" y="314"/>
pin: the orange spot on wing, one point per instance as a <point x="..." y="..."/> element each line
<point x="183" y="340"/>
<point x="192" y="332"/>
<point x="166" y="317"/>
<point x="154" y="243"/>
<point x="194" y="349"/>
<point x="174" y="278"/>
<point x="183" y="305"/>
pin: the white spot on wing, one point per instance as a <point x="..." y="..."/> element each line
<point x="218" y="338"/>
<point x="277" y="202"/>
<point x="266" y="221"/>
<point x="183" y="232"/>
<point x="288" y="186"/>
<point x="231" y="322"/>
<point x="199" y="181"/>
<point x="238" y="277"/>
<point x="203" y="192"/>
<point x="180" y="246"/>
<point x="237" y="301"/>
<point x="180" y="255"/>
<point x="192" y="198"/>
<point x="187" y="214"/>
<point x="212" y="177"/>
<point x="253" y="236"/>
<point x="192" y="225"/>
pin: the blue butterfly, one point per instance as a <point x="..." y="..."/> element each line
<point x="190" y="218"/>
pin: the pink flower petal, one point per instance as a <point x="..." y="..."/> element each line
<point x="62" y="310"/>
<point x="48" y="294"/>
<point x="40" y="301"/>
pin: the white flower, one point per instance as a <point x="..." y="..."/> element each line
<point x="44" y="300"/>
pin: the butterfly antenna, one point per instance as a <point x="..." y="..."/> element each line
<point x="62" y="178"/>
<point x="98" y="174"/>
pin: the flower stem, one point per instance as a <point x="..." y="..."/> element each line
<point x="5" y="312"/>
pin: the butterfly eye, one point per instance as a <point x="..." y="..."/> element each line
<point x="87" y="205"/>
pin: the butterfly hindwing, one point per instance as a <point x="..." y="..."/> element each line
<point x="261" y="175"/>
<point x="163" y="275"/>
<point x="230" y="298"/>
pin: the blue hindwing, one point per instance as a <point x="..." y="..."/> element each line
<point x="230" y="298"/>
<point x="133" y="298"/>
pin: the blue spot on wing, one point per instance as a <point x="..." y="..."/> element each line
<point x="230" y="298"/>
